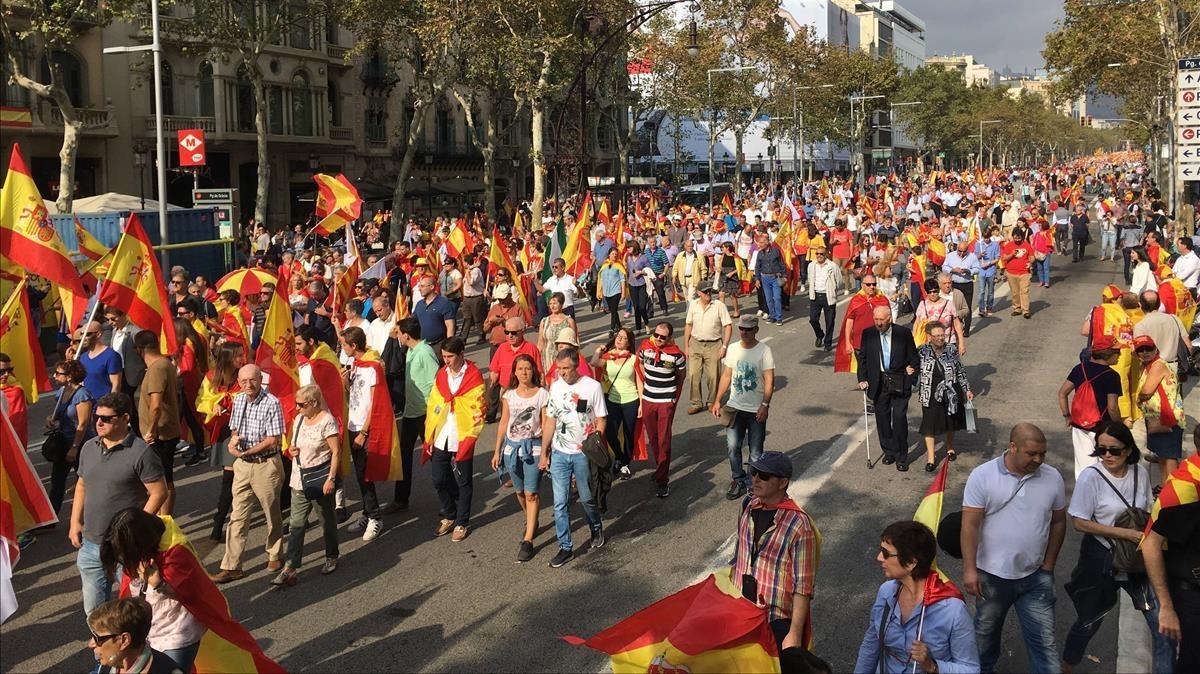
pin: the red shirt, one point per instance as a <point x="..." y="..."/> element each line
<point x="840" y="240"/>
<point x="502" y="361"/>
<point x="1019" y="264"/>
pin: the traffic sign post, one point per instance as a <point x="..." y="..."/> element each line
<point x="1186" y="137"/>
<point x="222" y="199"/>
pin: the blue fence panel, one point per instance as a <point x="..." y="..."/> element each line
<point x="184" y="226"/>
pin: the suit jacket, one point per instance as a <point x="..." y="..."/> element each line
<point x="903" y="354"/>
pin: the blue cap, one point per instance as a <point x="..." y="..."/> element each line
<point x="774" y="463"/>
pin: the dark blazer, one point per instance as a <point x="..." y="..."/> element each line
<point x="903" y="354"/>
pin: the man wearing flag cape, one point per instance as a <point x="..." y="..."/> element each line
<point x="857" y="319"/>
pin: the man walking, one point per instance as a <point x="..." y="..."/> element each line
<point x="657" y="258"/>
<point x="420" y="369"/>
<point x="574" y="419"/>
<point x="660" y="371"/>
<point x="889" y="361"/>
<point x="706" y="334"/>
<point x="158" y="409"/>
<point x="501" y="366"/>
<point x="776" y="552"/>
<point x="435" y="312"/>
<point x="1017" y="256"/>
<point x="1013" y="524"/>
<point x="256" y="425"/>
<point x="689" y="270"/>
<point x="453" y="419"/>
<point x="749" y="377"/>
<point x="824" y="278"/>
<point x="117" y="470"/>
<point x="363" y="382"/>
<point x="962" y="266"/>
<point x="770" y="272"/>
<point x="132" y="366"/>
<point x="474" y="301"/>
<point x="1079" y="232"/>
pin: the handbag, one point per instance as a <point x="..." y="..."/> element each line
<point x="891" y="383"/>
<point x="1126" y="555"/>
<point x="596" y="451"/>
<point x="312" y="479"/>
<point x="55" y="446"/>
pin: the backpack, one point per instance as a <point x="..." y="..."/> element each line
<point x="1084" y="411"/>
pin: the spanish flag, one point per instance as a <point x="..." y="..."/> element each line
<point x="459" y="241"/>
<point x="134" y="284"/>
<point x="860" y="311"/>
<point x="226" y="646"/>
<point x="29" y="242"/>
<point x="936" y="249"/>
<point x="383" y="443"/>
<point x="707" y="627"/>
<point x="276" y="354"/>
<point x="1108" y="318"/>
<point x="326" y="373"/>
<point x="23" y="506"/>
<point x="577" y="253"/>
<point x="603" y="214"/>
<point x="1176" y="298"/>
<point x="500" y="259"/>
<point x="1182" y="488"/>
<point x="214" y="404"/>
<point x="467" y="405"/>
<point x="916" y="272"/>
<point x="96" y="254"/>
<point x="337" y="203"/>
<point x="19" y="339"/>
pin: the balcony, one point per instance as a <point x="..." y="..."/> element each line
<point x="48" y="118"/>
<point x="341" y="133"/>
<point x="337" y="53"/>
<point x="173" y="123"/>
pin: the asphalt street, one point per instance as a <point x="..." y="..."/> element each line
<point x="410" y="602"/>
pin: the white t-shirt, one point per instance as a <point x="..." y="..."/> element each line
<point x="525" y="418"/>
<point x="362" y="380"/>
<point x="1012" y="540"/>
<point x="571" y="424"/>
<point x="447" y="438"/>
<point x="1095" y="500"/>
<point x="565" y="285"/>
<point x="378" y="332"/>
<point x="746" y="383"/>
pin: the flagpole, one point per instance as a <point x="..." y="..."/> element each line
<point x="99" y="285"/>
<point x="920" y="629"/>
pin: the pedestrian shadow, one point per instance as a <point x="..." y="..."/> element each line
<point x="1036" y="306"/>
<point x="978" y="375"/>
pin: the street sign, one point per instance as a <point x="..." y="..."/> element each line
<point x="1190" y="63"/>
<point x="1187" y="135"/>
<point x="1189" y="116"/>
<point x="191" y="147"/>
<point x="1189" y="98"/>
<point x="209" y="197"/>
<point x="1189" y="171"/>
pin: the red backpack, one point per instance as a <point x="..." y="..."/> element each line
<point x="1084" y="411"/>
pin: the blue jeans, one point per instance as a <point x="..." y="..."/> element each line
<point x="771" y="291"/>
<point x="185" y="656"/>
<point x="1108" y="243"/>
<point x="1033" y="597"/>
<point x="1042" y="270"/>
<point x="97" y="588"/>
<point x="562" y="467"/>
<point x="745" y="427"/>
<point x="987" y="292"/>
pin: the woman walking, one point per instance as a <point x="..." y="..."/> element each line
<point x="1102" y="493"/>
<point x="552" y="327"/>
<point x="1161" y="405"/>
<point x="612" y="287"/>
<point x="192" y="363"/>
<point x="1043" y="249"/>
<point x="938" y="307"/>
<point x="72" y="418"/>
<point x="519" y="446"/>
<point x="731" y="271"/>
<point x="316" y="450"/>
<point x="215" y="402"/>
<point x="615" y="364"/>
<point x="943" y="390"/>
<point x="1143" y="276"/>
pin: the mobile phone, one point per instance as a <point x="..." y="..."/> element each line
<point x="581" y="406"/>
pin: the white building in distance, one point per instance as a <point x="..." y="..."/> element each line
<point x="972" y="72"/>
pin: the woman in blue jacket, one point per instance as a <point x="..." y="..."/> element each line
<point x="917" y="617"/>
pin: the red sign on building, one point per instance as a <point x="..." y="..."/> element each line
<point x="191" y="147"/>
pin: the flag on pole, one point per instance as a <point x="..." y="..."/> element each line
<point x="707" y="627"/>
<point x="96" y="254"/>
<point x="276" y="354"/>
<point x="337" y="203"/>
<point x="134" y="284"/>
<point x="554" y="249"/>
<point x="19" y="339"/>
<point x="577" y="254"/>
<point x="343" y="289"/>
<point x="459" y="241"/>
<point x="500" y="259"/>
<point x="23" y="506"/>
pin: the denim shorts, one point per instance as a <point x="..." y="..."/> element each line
<point x="1166" y="445"/>
<point x="523" y="471"/>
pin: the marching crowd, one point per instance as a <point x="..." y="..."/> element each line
<point x="381" y="338"/>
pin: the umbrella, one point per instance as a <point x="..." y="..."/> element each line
<point x="246" y="281"/>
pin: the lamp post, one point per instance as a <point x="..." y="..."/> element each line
<point x="981" y="123"/>
<point x="516" y="181"/>
<point x="314" y="163"/>
<point x="160" y="145"/>
<point x="139" y="161"/>
<point x="892" y="121"/>
<point x="856" y="169"/>
<point x="712" y="128"/>
<point x="429" y="186"/>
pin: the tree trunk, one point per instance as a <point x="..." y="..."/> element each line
<point x="738" y="136"/>
<point x="416" y="126"/>
<point x="262" y="190"/>
<point x="66" y="157"/>
<point x="537" y="107"/>
<point x="489" y="175"/>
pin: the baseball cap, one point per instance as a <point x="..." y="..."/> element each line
<point x="748" y="322"/>
<point x="1142" y="341"/>
<point x="706" y="289"/>
<point x="1111" y="292"/>
<point x="774" y="463"/>
<point x="1101" y="342"/>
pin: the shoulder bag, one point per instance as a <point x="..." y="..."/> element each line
<point x="1126" y="555"/>
<point x="55" y="446"/>
<point x="312" y="480"/>
<point x="949" y="533"/>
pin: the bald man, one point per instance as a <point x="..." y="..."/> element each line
<point x="1013" y="524"/>
<point x="501" y="366"/>
<point x="256" y="426"/>
<point x="886" y="373"/>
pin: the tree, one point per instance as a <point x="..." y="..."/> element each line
<point x="943" y="95"/>
<point x="32" y="35"/>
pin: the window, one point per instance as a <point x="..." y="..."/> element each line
<point x="335" y="103"/>
<point x="331" y="31"/>
<point x="302" y="107"/>
<point x="168" y="90"/>
<point x="206" y="103"/>
<point x="70" y="74"/>
<point x="375" y="119"/>
<point x="299" y="27"/>
<point x="444" y="127"/>
<point x="275" y="110"/>
<point x="245" y="100"/>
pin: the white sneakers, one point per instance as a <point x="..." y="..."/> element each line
<point x="374" y="528"/>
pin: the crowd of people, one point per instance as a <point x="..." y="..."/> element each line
<point x="381" y="341"/>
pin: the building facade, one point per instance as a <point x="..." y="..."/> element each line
<point x="973" y="73"/>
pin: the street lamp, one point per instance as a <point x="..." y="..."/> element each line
<point x="160" y="144"/>
<point x="981" y="123"/>
<point x="516" y="181"/>
<point x="712" y="128"/>
<point x="855" y="168"/>
<point x="140" y="152"/>
<point x="429" y="185"/>
<point x="314" y="163"/>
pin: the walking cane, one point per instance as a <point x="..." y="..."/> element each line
<point x="867" y="435"/>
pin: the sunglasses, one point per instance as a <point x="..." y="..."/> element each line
<point x="658" y="335"/>
<point x="762" y="475"/>
<point x="512" y="333"/>
<point x="870" y="285"/>
<point x="1146" y="349"/>
<point x="302" y="405"/>
<point x="101" y="638"/>
<point x="105" y="418"/>
<point x="744" y="329"/>
<point x="6" y="370"/>
<point x="886" y="554"/>
<point x="1101" y="450"/>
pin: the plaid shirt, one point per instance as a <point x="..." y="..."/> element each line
<point x="256" y="419"/>
<point x="787" y="558"/>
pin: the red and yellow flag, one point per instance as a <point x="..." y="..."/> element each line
<point x="707" y="627"/>
<point x="134" y="284"/>
<point x="29" y="242"/>
<point x="23" y="502"/>
<point x="727" y="203"/>
<point x="916" y="272"/>
<point x="500" y="259"/>
<point x="276" y="355"/>
<point x="577" y="254"/>
<point x="383" y="444"/>
<point x="226" y="646"/>
<point x="96" y="254"/>
<point x="936" y="250"/>
<point x="327" y="375"/>
<point x="860" y="311"/>
<point x="602" y="214"/>
<point x="19" y="339"/>
<point x="1181" y="488"/>
<point x="459" y="240"/>
<point x="337" y="203"/>
<point x="468" y="407"/>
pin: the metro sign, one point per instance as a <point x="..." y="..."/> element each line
<point x="191" y="147"/>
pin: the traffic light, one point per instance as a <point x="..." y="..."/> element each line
<point x="1083" y="120"/>
<point x="1090" y="120"/>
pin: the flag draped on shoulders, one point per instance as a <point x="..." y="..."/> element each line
<point x="23" y="506"/>
<point x="226" y="646"/>
<point x="707" y="627"/>
<point x="466" y="404"/>
<point x="859" y="311"/>
<point x="383" y="443"/>
<point x="19" y="339"/>
<point x="1182" y="488"/>
<point x="134" y="284"/>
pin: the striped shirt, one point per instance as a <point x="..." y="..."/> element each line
<point x="659" y="370"/>
<point x="658" y="260"/>
<point x="256" y="419"/>
<point x="786" y="560"/>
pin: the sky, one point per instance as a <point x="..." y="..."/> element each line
<point x="997" y="33"/>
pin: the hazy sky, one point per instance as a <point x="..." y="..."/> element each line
<point x="998" y="33"/>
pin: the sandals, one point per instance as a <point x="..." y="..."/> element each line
<point x="951" y="455"/>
